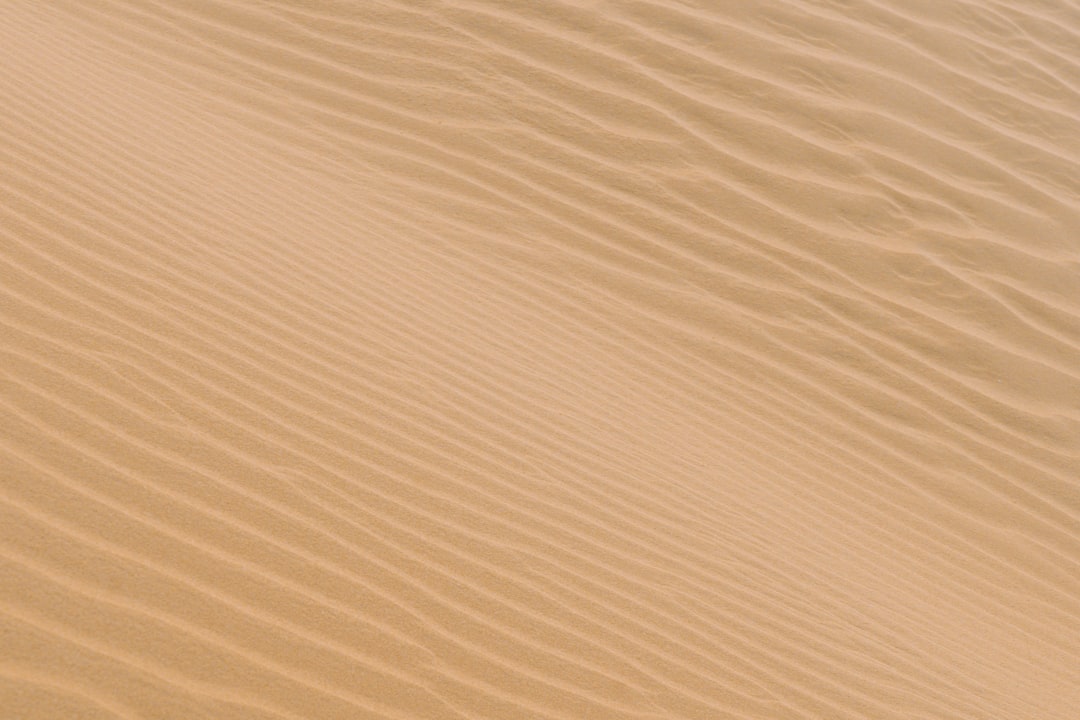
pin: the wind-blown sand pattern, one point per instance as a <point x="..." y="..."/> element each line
<point x="474" y="359"/>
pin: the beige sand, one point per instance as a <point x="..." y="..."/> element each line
<point x="485" y="359"/>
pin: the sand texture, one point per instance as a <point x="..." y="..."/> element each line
<point x="553" y="359"/>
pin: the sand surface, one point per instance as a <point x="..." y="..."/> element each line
<point x="540" y="359"/>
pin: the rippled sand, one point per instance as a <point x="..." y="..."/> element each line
<point x="488" y="359"/>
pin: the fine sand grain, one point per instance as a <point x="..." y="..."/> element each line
<point x="540" y="359"/>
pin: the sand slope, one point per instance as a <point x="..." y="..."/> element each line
<point x="474" y="359"/>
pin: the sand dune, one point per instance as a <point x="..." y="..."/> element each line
<point x="473" y="359"/>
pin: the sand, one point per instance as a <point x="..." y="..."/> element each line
<point x="512" y="359"/>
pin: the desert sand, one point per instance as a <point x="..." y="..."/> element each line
<point x="516" y="359"/>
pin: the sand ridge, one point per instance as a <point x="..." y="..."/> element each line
<point x="473" y="359"/>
